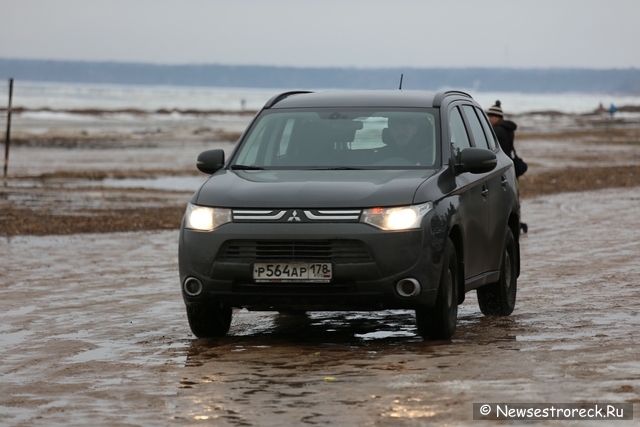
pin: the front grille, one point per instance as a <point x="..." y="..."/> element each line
<point x="337" y="251"/>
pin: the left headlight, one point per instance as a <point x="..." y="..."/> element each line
<point x="398" y="218"/>
<point x="203" y="218"/>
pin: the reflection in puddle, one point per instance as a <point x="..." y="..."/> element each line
<point x="384" y="334"/>
<point x="321" y="365"/>
<point x="363" y="334"/>
<point x="315" y="338"/>
<point x="100" y="353"/>
<point x="312" y="368"/>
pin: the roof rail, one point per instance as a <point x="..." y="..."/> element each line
<point x="274" y="100"/>
<point x="440" y="96"/>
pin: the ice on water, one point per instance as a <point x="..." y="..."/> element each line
<point x="60" y="96"/>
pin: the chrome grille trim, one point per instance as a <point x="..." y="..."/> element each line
<point x="353" y="212"/>
<point x="257" y="215"/>
<point x="311" y="215"/>
<point x="333" y="215"/>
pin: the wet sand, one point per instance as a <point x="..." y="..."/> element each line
<point x="94" y="332"/>
<point x="68" y="179"/>
<point x="93" y="328"/>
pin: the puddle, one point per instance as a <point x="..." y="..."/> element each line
<point x="172" y="183"/>
<point x="384" y="334"/>
<point x="102" y="334"/>
<point x="176" y="183"/>
<point x="97" y="354"/>
<point x="13" y="338"/>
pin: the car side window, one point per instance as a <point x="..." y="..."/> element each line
<point x="476" y="128"/>
<point x="487" y="129"/>
<point x="459" y="136"/>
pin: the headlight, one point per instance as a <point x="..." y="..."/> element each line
<point x="400" y="218"/>
<point x="202" y="218"/>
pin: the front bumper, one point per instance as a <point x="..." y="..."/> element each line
<point x="367" y="264"/>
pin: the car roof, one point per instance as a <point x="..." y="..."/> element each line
<point x="361" y="98"/>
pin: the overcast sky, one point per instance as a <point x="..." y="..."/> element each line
<point x="328" y="33"/>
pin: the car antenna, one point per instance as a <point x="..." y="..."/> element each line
<point x="401" y="75"/>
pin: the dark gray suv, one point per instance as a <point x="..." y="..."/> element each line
<point x="354" y="200"/>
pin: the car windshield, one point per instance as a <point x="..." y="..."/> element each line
<point x="346" y="138"/>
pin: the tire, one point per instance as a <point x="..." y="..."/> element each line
<point x="209" y="321"/>
<point x="499" y="298"/>
<point x="439" y="321"/>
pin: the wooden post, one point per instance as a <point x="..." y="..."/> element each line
<point x="7" y="140"/>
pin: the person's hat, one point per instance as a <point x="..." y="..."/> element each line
<point x="495" y="110"/>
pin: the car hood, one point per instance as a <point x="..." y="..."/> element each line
<point x="311" y="188"/>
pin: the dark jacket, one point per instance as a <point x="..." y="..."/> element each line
<point x="504" y="132"/>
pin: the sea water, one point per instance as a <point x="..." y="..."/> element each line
<point x="64" y="96"/>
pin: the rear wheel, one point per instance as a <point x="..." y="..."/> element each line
<point x="208" y="321"/>
<point x="499" y="298"/>
<point x="439" y="322"/>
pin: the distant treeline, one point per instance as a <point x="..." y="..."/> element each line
<point x="552" y="80"/>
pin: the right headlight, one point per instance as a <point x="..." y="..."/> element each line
<point x="397" y="218"/>
<point x="203" y="218"/>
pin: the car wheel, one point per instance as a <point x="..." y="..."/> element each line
<point x="439" y="322"/>
<point x="208" y="321"/>
<point x="499" y="298"/>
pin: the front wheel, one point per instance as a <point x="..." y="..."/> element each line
<point x="499" y="298"/>
<point x="439" y="322"/>
<point x="208" y="321"/>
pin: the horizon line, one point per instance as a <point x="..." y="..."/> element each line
<point x="302" y="67"/>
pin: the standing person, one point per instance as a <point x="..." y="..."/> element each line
<point x="504" y="130"/>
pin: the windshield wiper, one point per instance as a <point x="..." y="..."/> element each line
<point x="247" y="168"/>
<point x="341" y="168"/>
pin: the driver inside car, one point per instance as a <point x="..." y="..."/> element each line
<point x="402" y="141"/>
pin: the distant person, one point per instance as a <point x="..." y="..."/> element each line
<point x="505" y="131"/>
<point x="612" y="110"/>
<point x="243" y="104"/>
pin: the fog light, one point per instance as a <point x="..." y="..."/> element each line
<point x="192" y="287"/>
<point x="408" y="287"/>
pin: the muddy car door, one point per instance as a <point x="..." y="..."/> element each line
<point x="494" y="181"/>
<point x="502" y="188"/>
<point x="473" y="207"/>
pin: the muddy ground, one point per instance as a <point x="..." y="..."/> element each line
<point x="93" y="328"/>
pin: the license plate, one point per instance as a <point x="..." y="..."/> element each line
<point x="318" y="272"/>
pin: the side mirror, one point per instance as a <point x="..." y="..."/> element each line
<point x="476" y="160"/>
<point x="210" y="161"/>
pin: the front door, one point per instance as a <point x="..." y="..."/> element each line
<point x="474" y="211"/>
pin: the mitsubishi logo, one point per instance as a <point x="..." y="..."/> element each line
<point x="294" y="217"/>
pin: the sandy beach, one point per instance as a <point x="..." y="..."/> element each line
<point x="107" y="173"/>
